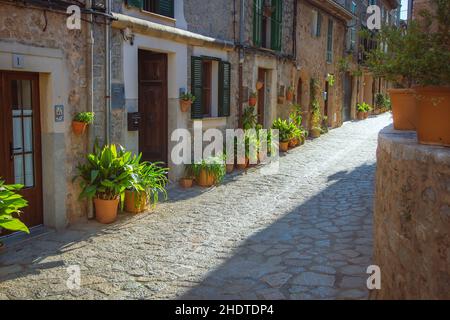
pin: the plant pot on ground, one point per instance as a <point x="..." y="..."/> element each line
<point x="104" y="177"/>
<point x="146" y="183"/>
<point x="285" y="130"/>
<point x="433" y="115"/>
<point x="209" y="171"/>
<point x="363" y="110"/>
<point x="81" y="121"/>
<point x="186" y="100"/>
<point x="315" y="132"/>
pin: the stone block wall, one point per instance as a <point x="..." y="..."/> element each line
<point x="412" y="218"/>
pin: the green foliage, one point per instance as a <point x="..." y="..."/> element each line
<point x="316" y="119"/>
<point x="253" y="94"/>
<point x="86" y="117"/>
<point x="331" y="79"/>
<point x="296" y="118"/>
<point x="344" y="64"/>
<point x="107" y="173"/>
<point x="214" y="166"/>
<point x="10" y="204"/>
<point x="249" y="118"/>
<point x="363" y="107"/>
<point x="382" y="101"/>
<point x="285" y="129"/>
<point x="187" y="96"/>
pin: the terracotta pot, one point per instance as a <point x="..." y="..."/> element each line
<point x="314" y="133"/>
<point x="284" y="146"/>
<point x="185" y="105"/>
<point x="289" y="96"/>
<point x="205" y="179"/>
<point x="293" y="143"/>
<point x="241" y="164"/>
<point x="79" y="127"/>
<point x="403" y="109"/>
<point x="132" y="199"/>
<point x="433" y="115"/>
<point x="366" y="114"/>
<point x="186" y="183"/>
<point x="106" y="210"/>
<point x="252" y="101"/>
<point x="230" y="168"/>
<point x="360" y="115"/>
<point x="259" y="85"/>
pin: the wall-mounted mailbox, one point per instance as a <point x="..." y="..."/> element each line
<point x="134" y="121"/>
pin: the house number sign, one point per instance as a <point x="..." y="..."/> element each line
<point x="59" y="113"/>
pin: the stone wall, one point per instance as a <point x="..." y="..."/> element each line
<point x="412" y="218"/>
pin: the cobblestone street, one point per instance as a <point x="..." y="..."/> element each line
<point x="304" y="233"/>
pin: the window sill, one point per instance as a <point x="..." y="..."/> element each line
<point x="212" y="122"/>
<point x="159" y="17"/>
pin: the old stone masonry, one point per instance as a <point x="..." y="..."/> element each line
<point x="303" y="233"/>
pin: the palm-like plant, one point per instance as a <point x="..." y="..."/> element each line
<point x="11" y="204"/>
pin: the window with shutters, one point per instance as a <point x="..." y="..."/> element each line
<point x="316" y="23"/>
<point x="210" y="84"/>
<point x="267" y="24"/>
<point x="330" y="41"/>
<point x="161" y="7"/>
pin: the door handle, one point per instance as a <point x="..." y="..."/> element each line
<point x="12" y="149"/>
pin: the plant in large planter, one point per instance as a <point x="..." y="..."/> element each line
<point x="186" y="100"/>
<point x="104" y="178"/>
<point x="284" y="133"/>
<point x="11" y="204"/>
<point x="209" y="171"/>
<point x="363" y="110"/>
<point x="296" y="118"/>
<point x="81" y="121"/>
<point x="187" y="180"/>
<point x="147" y="181"/>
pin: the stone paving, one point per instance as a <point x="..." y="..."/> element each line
<point x="304" y="233"/>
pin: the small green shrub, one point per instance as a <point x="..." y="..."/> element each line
<point x="10" y="204"/>
<point x="86" y="117"/>
<point x="214" y="166"/>
<point x="187" y="96"/>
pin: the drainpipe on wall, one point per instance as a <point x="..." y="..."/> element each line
<point x="90" y="101"/>
<point x="108" y="74"/>
<point x="241" y="59"/>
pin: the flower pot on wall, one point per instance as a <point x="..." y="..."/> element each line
<point x="289" y="95"/>
<point x="433" y="115"/>
<point x="134" y="202"/>
<point x="259" y="85"/>
<point x="79" y="127"/>
<point x="186" y="183"/>
<point x="252" y="101"/>
<point x="185" y="105"/>
<point x="403" y="109"/>
<point x="205" y="179"/>
<point x="106" y="210"/>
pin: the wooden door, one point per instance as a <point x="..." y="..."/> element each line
<point x="261" y="96"/>
<point x="153" y="106"/>
<point x="20" y="141"/>
<point x="348" y="81"/>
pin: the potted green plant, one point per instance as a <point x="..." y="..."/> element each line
<point x="80" y="122"/>
<point x="186" y="100"/>
<point x="284" y="133"/>
<point x="187" y="180"/>
<point x="147" y="181"/>
<point x="209" y="171"/>
<point x="11" y="203"/>
<point x="251" y="146"/>
<point x="252" y="99"/>
<point x="316" y="121"/>
<point x="324" y="127"/>
<point x="290" y="93"/>
<point x="249" y="118"/>
<point x="104" y="178"/>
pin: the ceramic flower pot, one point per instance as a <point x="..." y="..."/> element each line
<point x="433" y="115"/>
<point x="205" y="179"/>
<point x="186" y="183"/>
<point x="252" y="101"/>
<point x="185" y="105"/>
<point x="284" y="146"/>
<point x="360" y="115"/>
<point x="106" y="210"/>
<point x="79" y="127"/>
<point x="259" y="85"/>
<point x="314" y="133"/>
<point x="135" y="202"/>
<point x="403" y="109"/>
<point x="289" y="96"/>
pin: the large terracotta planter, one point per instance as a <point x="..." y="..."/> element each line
<point x="79" y="127"/>
<point x="314" y="133"/>
<point x="284" y="146"/>
<point x="106" y="210"/>
<point x="205" y="179"/>
<point x="135" y="203"/>
<point x="403" y="109"/>
<point x="433" y="115"/>
<point x="186" y="183"/>
<point x="185" y="105"/>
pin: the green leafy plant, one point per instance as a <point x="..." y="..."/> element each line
<point x="344" y="64"/>
<point x="253" y="94"/>
<point x="316" y="118"/>
<point x="363" y="107"/>
<point x="284" y="128"/>
<point x="85" y="117"/>
<point x="214" y="166"/>
<point x="249" y="118"/>
<point x="11" y="204"/>
<point x="331" y="79"/>
<point x="107" y="173"/>
<point x="148" y="179"/>
<point x="187" y="96"/>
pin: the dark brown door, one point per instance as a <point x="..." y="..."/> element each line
<point x="261" y="96"/>
<point x="20" y="141"/>
<point x="153" y="135"/>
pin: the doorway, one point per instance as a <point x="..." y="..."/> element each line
<point x="153" y="106"/>
<point x="262" y="76"/>
<point x="20" y="141"/>
<point x="327" y="97"/>
<point x="348" y="91"/>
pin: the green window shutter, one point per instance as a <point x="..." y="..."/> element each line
<point x="276" y="25"/>
<point x="197" y="87"/>
<point x="330" y="41"/>
<point x="224" y="88"/>
<point x="166" y="8"/>
<point x="257" y="22"/>
<point x="135" y="3"/>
